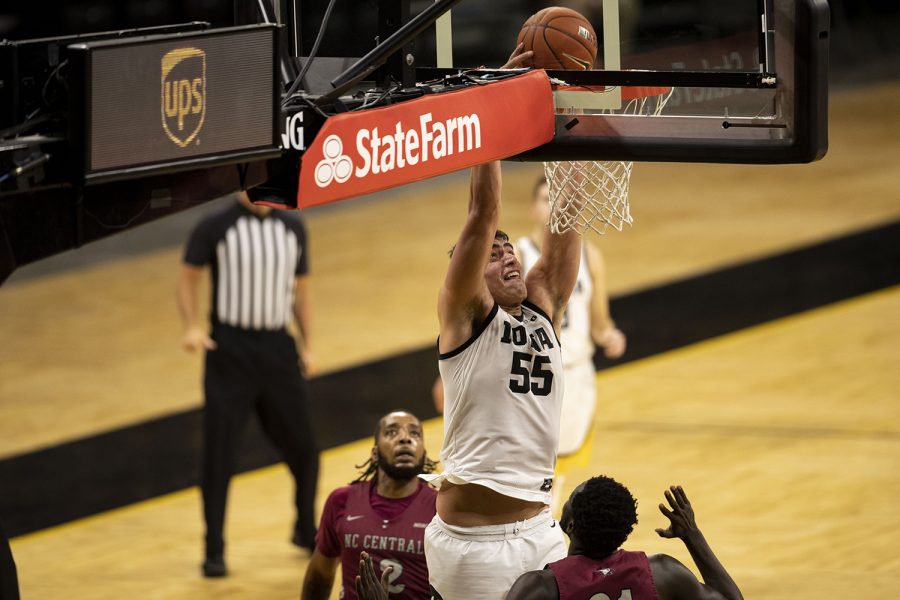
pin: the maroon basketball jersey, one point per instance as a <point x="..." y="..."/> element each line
<point x="398" y="542"/>
<point x="621" y="576"/>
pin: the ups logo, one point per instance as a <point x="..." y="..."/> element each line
<point x="183" y="94"/>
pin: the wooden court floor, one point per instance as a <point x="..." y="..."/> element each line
<point x="96" y="348"/>
<point x="786" y="434"/>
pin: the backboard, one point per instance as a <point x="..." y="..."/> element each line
<point x="747" y="78"/>
<point x="675" y="81"/>
<point x="742" y="81"/>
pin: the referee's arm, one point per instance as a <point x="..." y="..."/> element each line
<point x="301" y="315"/>
<point x="195" y="336"/>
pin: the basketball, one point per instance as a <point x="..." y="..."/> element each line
<point x="560" y="38"/>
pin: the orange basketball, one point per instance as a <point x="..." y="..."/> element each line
<point x="560" y="38"/>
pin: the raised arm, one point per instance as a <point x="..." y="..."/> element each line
<point x="673" y="580"/>
<point x="464" y="299"/>
<point x="552" y="278"/>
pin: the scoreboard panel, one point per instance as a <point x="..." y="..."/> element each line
<point x="163" y="103"/>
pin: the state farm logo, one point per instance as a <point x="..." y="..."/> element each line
<point x="183" y="94"/>
<point x="336" y="166"/>
<point x="379" y="153"/>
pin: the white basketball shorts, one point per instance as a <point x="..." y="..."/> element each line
<point x="482" y="563"/>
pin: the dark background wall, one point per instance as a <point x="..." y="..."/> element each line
<point x="865" y="44"/>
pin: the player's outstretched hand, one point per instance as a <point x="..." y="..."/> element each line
<point x="368" y="586"/>
<point x="681" y="517"/>
<point x="519" y="58"/>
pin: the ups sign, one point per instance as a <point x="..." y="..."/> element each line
<point x="183" y="94"/>
<point x="166" y="100"/>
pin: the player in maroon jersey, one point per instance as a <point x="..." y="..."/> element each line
<point x="384" y="512"/>
<point x="598" y="518"/>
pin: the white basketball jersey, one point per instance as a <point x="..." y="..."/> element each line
<point x="503" y="391"/>
<point x="575" y="333"/>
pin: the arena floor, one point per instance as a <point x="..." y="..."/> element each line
<point x="786" y="435"/>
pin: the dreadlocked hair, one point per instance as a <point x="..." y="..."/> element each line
<point x="370" y="469"/>
<point x="603" y="515"/>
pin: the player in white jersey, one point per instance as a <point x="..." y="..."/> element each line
<point x="586" y="321"/>
<point x="501" y="365"/>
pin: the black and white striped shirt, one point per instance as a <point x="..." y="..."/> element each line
<point x="254" y="263"/>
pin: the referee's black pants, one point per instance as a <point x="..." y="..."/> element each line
<point x="256" y="370"/>
<point x="9" y="582"/>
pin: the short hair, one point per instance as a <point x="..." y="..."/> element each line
<point x="498" y="235"/>
<point x="604" y="514"/>
<point x="538" y="184"/>
<point x="380" y="423"/>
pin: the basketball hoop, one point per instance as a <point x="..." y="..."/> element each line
<point x="594" y="194"/>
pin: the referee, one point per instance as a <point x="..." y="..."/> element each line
<point x="259" y="285"/>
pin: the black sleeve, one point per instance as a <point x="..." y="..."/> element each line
<point x="200" y="246"/>
<point x="296" y="224"/>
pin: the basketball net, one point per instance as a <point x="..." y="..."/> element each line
<point x="594" y="194"/>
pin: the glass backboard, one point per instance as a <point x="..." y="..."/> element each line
<point x="737" y="81"/>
